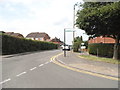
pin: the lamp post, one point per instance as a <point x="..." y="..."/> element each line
<point x="74" y="21"/>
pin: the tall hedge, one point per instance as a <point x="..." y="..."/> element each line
<point x="105" y="50"/>
<point x="12" y="45"/>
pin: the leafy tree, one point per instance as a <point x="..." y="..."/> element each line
<point x="77" y="43"/>
<point x="101" y="19"/>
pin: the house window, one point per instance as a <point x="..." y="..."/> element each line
<point x="41" y="39"/>
<point x="36" y="38"/>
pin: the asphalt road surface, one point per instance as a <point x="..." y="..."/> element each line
<point x="35" y="70"/>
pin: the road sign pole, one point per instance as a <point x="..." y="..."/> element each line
<point x="64" y="43"/>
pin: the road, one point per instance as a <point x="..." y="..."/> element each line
<point x="35" y="70"/>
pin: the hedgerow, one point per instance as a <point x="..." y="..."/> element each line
<point x="102" y="49"/>
<point x="13" y="45"/>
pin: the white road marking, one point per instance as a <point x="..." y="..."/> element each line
<point x="5" y="81"/>
<point x="21" y="74"/>
<point x="46" y="62"/>
<point x="61" y="61"/>
<point x="33" y="68"/>
<point x="50" y="60"/>
<point x="41" y="65"/>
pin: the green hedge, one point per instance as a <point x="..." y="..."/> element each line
<point x="12" y="45"/>
<point x="105" y="50"/>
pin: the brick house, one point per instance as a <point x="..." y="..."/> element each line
<point x="38" y="36"/>
<point x="57" y="41"/>
<point x="18" y="35"/>
<point x="101" y="39"/>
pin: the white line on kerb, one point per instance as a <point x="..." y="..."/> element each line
<point x="41" y="65"/>
<point x="21" y="74"/>
<point x="33" y="68"/>
<point x="5" y="81"/>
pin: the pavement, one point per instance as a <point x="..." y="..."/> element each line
<point x="36" y="70"/>
<point x="73" y="60"/>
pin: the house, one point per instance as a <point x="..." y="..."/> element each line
<point x="18" y="35"/>
<point x="38" y="36"/>
<point x="57" y="41"/>
<point x="101" y="39"/>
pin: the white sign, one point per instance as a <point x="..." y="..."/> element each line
<point x="83" y="47"/>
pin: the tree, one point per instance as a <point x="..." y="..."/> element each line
<point x="77" y="43"/>
<point x="101" y="19"/>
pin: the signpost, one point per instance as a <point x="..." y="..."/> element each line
<point x="64" y="43"/>
<point x="65" y="30"/>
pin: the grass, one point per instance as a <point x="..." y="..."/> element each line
<point x="95" y="58"/>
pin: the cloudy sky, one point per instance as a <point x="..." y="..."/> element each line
<point x="50" y="16"/>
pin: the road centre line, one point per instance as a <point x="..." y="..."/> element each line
<point x="41" y="65"/>
<point x="21" y="74"/>
<point x="33" y="68"/>
<point x="5" y="81"/>
<point x="46" y="62"/>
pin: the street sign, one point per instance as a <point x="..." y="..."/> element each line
<point x="69" y="30"/>
<point x="83" y="47"/>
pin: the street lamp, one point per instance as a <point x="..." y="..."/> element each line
<point x="74" y="19"/>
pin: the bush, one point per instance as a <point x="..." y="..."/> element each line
<point x="105" y="50"/>
<point x="12" y="45"/>
<point x="76" y="47"/>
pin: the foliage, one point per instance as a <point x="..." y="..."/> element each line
<point x="77" y="43"/>
<point x="101" y="19"/>
<point x="104" y="50"/>
<point x="12" y="45"/>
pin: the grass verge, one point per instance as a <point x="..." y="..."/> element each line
<point x="95" y="58"/>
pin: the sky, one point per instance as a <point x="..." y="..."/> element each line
<point x="49" y="16"/>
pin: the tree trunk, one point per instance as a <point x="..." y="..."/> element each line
<point x="116" y="46"/>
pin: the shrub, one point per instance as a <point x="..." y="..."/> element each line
<point x="13" y="45"/>
<point x="76" y="46"/>
<point x="105" y="50"/>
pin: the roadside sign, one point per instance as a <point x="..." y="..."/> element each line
<point x="83" y="47"/>
<point x="69" y="30"/>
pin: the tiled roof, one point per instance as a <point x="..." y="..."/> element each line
<point x="36" y="34"/>
<point x="55" y="40"/>
<point x="14" y="34"/>
<point x="9" y="33"/>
